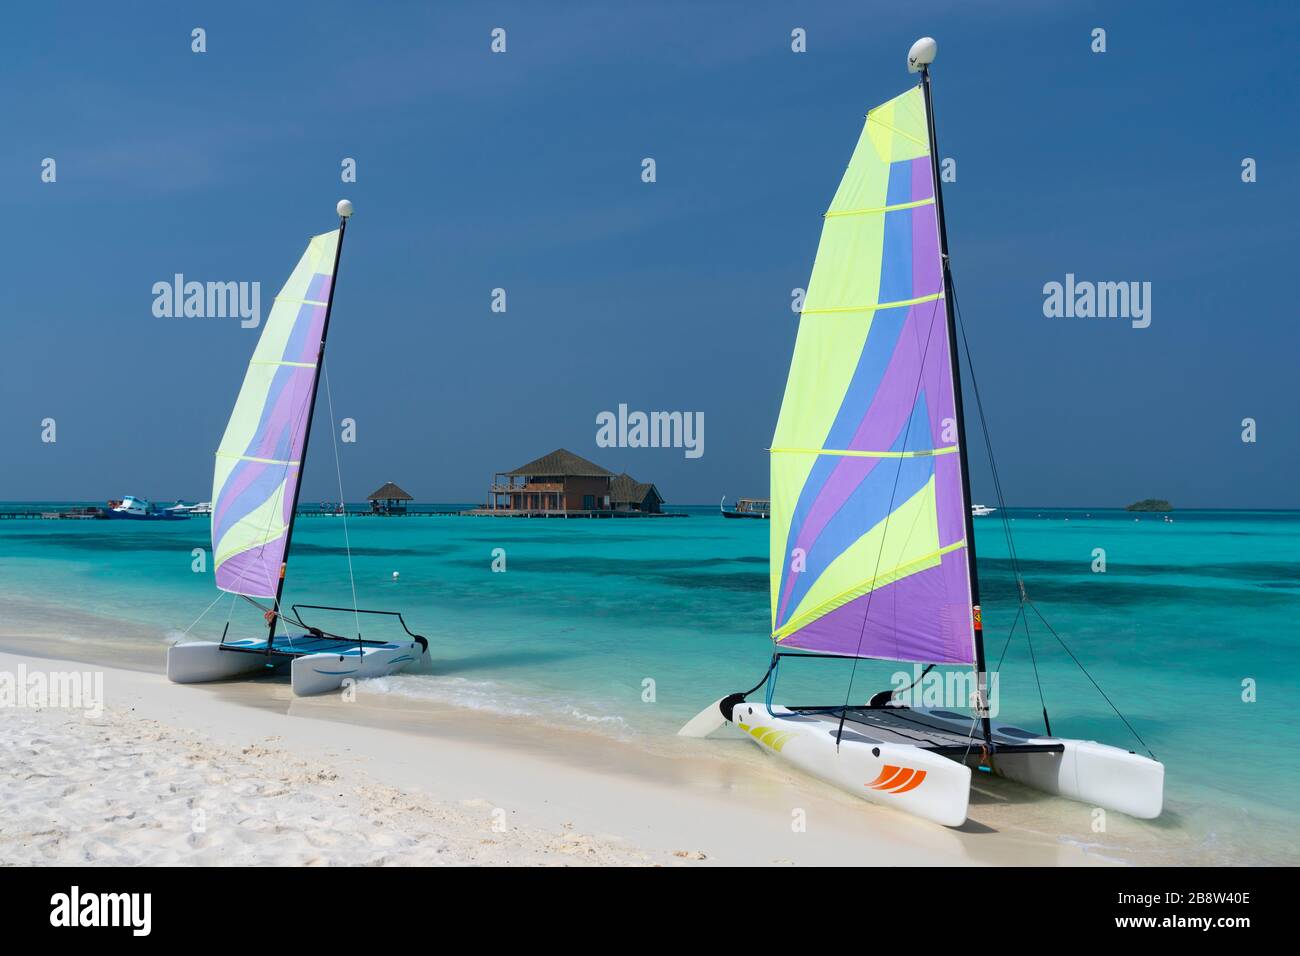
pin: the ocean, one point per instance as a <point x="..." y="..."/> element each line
<point x="629" y="627"/>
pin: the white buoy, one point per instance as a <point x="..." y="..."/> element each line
<point x="922" y="54"/>
<point x="345" y="208"/>
<point x="396" y="575"/>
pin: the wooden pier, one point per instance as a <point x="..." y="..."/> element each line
<point x="362" y="513"/>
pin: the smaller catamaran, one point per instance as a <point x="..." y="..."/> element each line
<point x="872" y="542"/>
<point x="255" y="489"/>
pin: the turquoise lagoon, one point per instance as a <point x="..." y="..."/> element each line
<point x="588" y="613"/>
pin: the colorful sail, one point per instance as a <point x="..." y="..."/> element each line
<point x="868" y="518"/>
<point x="260" y="454"/>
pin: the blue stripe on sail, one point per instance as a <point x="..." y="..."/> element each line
<point x="896" y="283"/>
<point x="899" y="189"/>
<point x="882" y="342"/>
<point x="866" y="507"/>
<point x="302" y="323"/>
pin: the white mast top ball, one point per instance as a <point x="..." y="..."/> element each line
<point x="345" y="208"/>
<point x="922" y="54"/>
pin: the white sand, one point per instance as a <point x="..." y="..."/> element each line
<point x="245" y="774"/>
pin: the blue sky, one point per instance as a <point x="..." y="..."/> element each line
<point x="522" y="171"/>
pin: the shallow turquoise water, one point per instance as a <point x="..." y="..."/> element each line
<point x="588" y="611"/>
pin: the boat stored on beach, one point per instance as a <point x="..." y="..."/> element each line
<point x="256" y="485"/>
<point x="872" y="546"/>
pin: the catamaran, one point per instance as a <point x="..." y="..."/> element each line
<point x="872" y="542"/>
<point x="255" y="489"/>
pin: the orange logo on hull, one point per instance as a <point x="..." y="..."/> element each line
<point x="897" y="779"/>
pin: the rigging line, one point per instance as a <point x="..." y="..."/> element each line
<point x="1051" y="630"/>
<point x="230" y="614"/>
<point x="1020" y="610"/>
<point x="338" y="471"/>
<point x="884" y="533"/>
<point x="988" y="445"/>
<point x="1006" y="520"/>
<point x="291" y="618"/>
<point x="1033" y="659"/>
<point x="770" y="667"/>
<point x="970" y="738"/>
<point x="1015" y="561"/>
<point x="220" y="595"/>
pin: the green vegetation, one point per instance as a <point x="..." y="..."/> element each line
<point x="1150" y="504"/>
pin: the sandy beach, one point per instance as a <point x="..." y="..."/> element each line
<point x="242" y="773"/>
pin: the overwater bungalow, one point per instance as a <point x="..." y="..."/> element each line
<point x="388" y="500"/>
<point x="563" y="484"/>
<point x="628" y="494"/>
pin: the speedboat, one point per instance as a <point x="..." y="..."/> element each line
<point x="141" y="509"/>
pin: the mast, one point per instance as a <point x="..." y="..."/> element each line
<point x="922" y="55"/>
<point x="345" y="213"/>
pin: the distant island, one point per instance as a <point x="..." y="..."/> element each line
<point x="1150" y="504"/>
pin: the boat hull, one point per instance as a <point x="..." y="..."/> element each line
<point x="197" y="662"/>
<point x="935" y="786"/>
<point x="1092" y="773"/>
<point x="904" y="777"/>
<point x="321" y="673"/>
<point x="203" y="661"/>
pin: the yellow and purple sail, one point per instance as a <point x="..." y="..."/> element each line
<point x="261" y="452"/>
<point x="868" y="549"/>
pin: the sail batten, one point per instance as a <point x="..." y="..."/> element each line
<point x="868" y="531"/>
<point x="260" y="454"/>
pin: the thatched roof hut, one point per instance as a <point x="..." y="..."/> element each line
<point x="628" y="494"/>
<point x="561" y="463"/>
<point x="389" y="492"/>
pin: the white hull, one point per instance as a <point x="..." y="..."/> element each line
<point x="202" y="661"/>
<point x="197" y="662"/>
<point x="935" y="787"/>
<point x="922" y="783"/>
<point x="320" y="673"/>
<point x="1095" y="774"/>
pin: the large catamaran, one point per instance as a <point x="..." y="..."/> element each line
<point x="255" y="489"/>
<point x="872" y="542"/>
